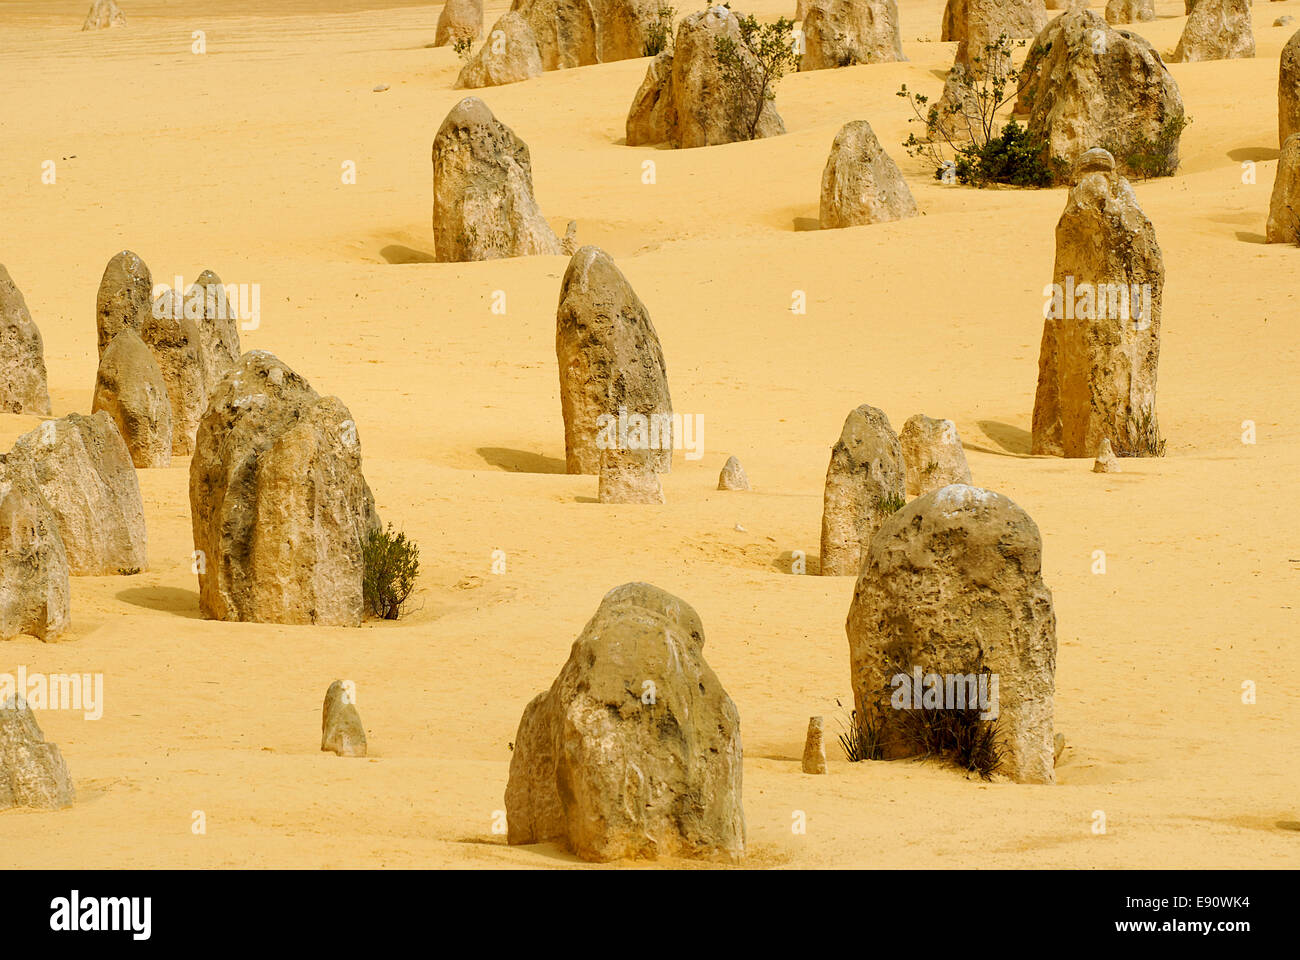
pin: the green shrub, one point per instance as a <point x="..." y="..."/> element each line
<point x="391" y="565"/>
<point x="659" y="34"/>
<point x="861" y="738"/>
<point x="771" y="54"/>
<point x="1144" y="158"/>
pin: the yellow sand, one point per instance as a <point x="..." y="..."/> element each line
<point x="231" y="160"/>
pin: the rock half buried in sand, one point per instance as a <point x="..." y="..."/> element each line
<point x="125" y="297"/>
<point x="1098" y="359"/>
<point x="459" y="20"/>
<point x="733" y="476"/>
<point x="613" y="380"/>
<point x="1106" y="461"/>
<point x="340" y="726"/>
<point x="483" y="205"/>
<point x="933" y="454"/>
<point x="841" y="33"/>
<point x="952" y="587"/>
<point x="34" y="587"/>
<point x="508" y="55"/>
<point x="635" y="750"/>
<point x="130" y="388"/>
<point x="861" y="183"/>
<point x="280" y="507"/>
<point x="23" y="387"/>
<point x="1216" y="30"/>
<point x="102" y="15"/>
<point x="814" y="747"/>
<point x="629" y="476"/>
<point x="864" y="483"/>
<point x="84" y="471"/>
<point x="32" y="772"/>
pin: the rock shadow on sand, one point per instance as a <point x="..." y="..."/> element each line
<point x="1011" y="439"/>
<point x="399" y="254"/>
<point x="521" y="461"/>
<point x="183" y="603"/>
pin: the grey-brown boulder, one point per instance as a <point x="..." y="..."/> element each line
<point x="861" y="183"/>
<point x="952" y="587"/>
<point x="576" y="33"/>
<point x="279" y="506"/>
<point x="341" y="730"/>
<point x="459" y="20"/>
<point x="23" y="386"/>
<point x="733" y="476"/>
<point x="978" y="23"/>
<point x="84" y="470"/>
<point x="32" y="771"/>
<point x="483" y="204"/>
<point x="933" y="454"/>
<point x="34" y="587"/>
<point x="1106" y="461"/>
<point x="508" y="55"/>
<point x="1101" y="332"/>
<point x="1087" y="84"/>
<point x="1216" y="30"/>
<point x="102" y="15"/>
<point x="125" y="297"/>
<point x="634" y="751"/>
<point x="215" y="310"/>
<point x="130" y="387"/>
<point x="687" y="99"/>
<point x="841" y="33"/>
<point x="1130" y="11"/>
<point x="177" y="346"/>
<point x="1288" y="90"/>
<point x="1284" y="204"/>
<point x="814" y="747"/>
<point x="864" y="484"/>
<point x="613" y="380"/>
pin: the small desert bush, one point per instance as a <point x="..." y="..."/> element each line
<point x="464" y="47"/>
<point x="861" y="738"/>
<point x="659" y="34"/>
<point x="958" y="735"/>
<point x="392" y="563"/>
<point x="772" y="54"/>
<point x="1141" y="437"/>
<point x="1145" y="158"/>
<point x="983" y="152"/>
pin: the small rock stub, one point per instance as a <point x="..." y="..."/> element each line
<point x="865" y="475"/>
<point x="1106" y="461"/>
<point x="814" y="747"/>
<point x="634" y="751"/>
<point x="733" y="476"/>
<point x="32" y="771"/>
<point x="341" y="730"/>
<point x="952" y="586"/>
<point x="861" y="183"/>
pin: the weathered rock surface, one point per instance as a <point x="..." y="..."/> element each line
<point x="841" y="33"/>
<point x="1284" y="204"/>
<point x="1288" y="90"/>
<point x="341" y="730"/>
<point x="1088" y="84"/>
<point x="125" y="297"/>
<point x="814" y="747"/>
<point x="866" y="471"/>
<point x="978" y="23"/>
<point x="177" y="347"/>
<point x="629" y="476"/>
<point x="612" y="370"/>
<point x="102" y="15"/>
<point x="279" y="505"/>
<point x="861" y="183"/>
<point x="1130" y="11"/>
<point x="23" y="387"/>
<point x="129" y="387"/>
<point x="635" y="749"/>
<point x="1106" y="461"/>
<point x="34" y="587"/>
<point x="483" y="205"/>
<point x="952" y="585"/>
<point x="84" y="471"/>
<point x="933" y="454"/>
<point x="686" y="101"/>
<point x="218" y="324"/>
<point x="459" y="20"/>
<point x="508" y="55"/>
<point x="32" y="772"/>
<point x="1216" y="30"/>
<point x="575" y="33"/>
<point x="1101" y="332"/>
<point x="733" y="476"/>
